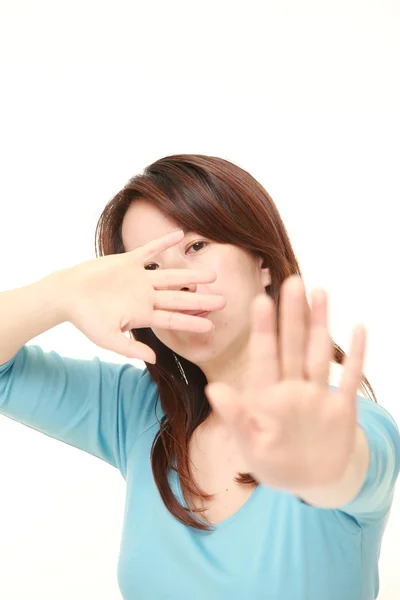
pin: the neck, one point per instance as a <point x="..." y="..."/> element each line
<point x="230" y="368"/>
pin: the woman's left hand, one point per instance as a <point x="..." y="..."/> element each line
<point x="293" y="430"/>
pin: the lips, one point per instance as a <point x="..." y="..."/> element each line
<point x="196" y="313"/>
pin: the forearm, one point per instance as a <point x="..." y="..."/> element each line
<point x="28" y="311"/>
<point x="344" y="491"/>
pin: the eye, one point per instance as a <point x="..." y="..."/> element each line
<point x="197" y="244"/>
<point x="154" y="266"/>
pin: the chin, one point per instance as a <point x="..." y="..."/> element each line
<point x="202" y="352"/>
<point x="196" y="355"/>
<point x="201" y="348"/>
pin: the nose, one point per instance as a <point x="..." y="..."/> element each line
<point x="174" y="260"/>
<point x="190" y="287"/>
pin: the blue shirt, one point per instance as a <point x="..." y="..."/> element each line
<point x="274" y="547"/>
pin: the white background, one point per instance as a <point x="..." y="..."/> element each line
<point x="304" y="95"/>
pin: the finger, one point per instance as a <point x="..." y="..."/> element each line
<point x="151" y="249"/>
<point x="353" y="364"/>
<point x="163" y="279"/>
<point x="174" y="300"/>
<point x="292" y="328"/>
<point x="320" y="347"/>
<point x="163" y="319"/>
<point x="263" y="345"/>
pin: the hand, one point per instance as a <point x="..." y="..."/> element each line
<point x="293" y="431"/>
<point x="113" y="294"/>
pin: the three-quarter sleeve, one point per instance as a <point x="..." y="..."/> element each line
<point x="98" y="407"/>
<point x="375" y="497"/>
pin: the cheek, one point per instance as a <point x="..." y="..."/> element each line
<point x="229" y="322"/>
<point x="166" y="337"/>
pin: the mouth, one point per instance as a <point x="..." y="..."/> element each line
<point x="196" y="313"/>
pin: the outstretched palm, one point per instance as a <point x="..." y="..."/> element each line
<point x="293" y="430"/>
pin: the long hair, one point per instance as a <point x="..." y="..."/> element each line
<point x="223" y="202"/>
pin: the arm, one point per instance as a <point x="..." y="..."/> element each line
<point x="99" y="407"/>
<point x="92" y="405"/>
<point x="345" y="490"/>
<point x="367" y="489"/>
<point x="28" y="311"/>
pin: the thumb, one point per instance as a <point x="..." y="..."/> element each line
<point x="224" y="400"/>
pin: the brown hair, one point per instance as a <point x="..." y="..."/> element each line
<point x="223" y="202"/>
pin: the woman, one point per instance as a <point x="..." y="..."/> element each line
<point x="248" y="475"/>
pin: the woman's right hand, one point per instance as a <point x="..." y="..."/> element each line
<point x="110" y="295"/>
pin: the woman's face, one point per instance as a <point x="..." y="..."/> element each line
<point x="240" y="279"/>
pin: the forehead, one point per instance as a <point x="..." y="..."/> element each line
<point x="144" y="222"/>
